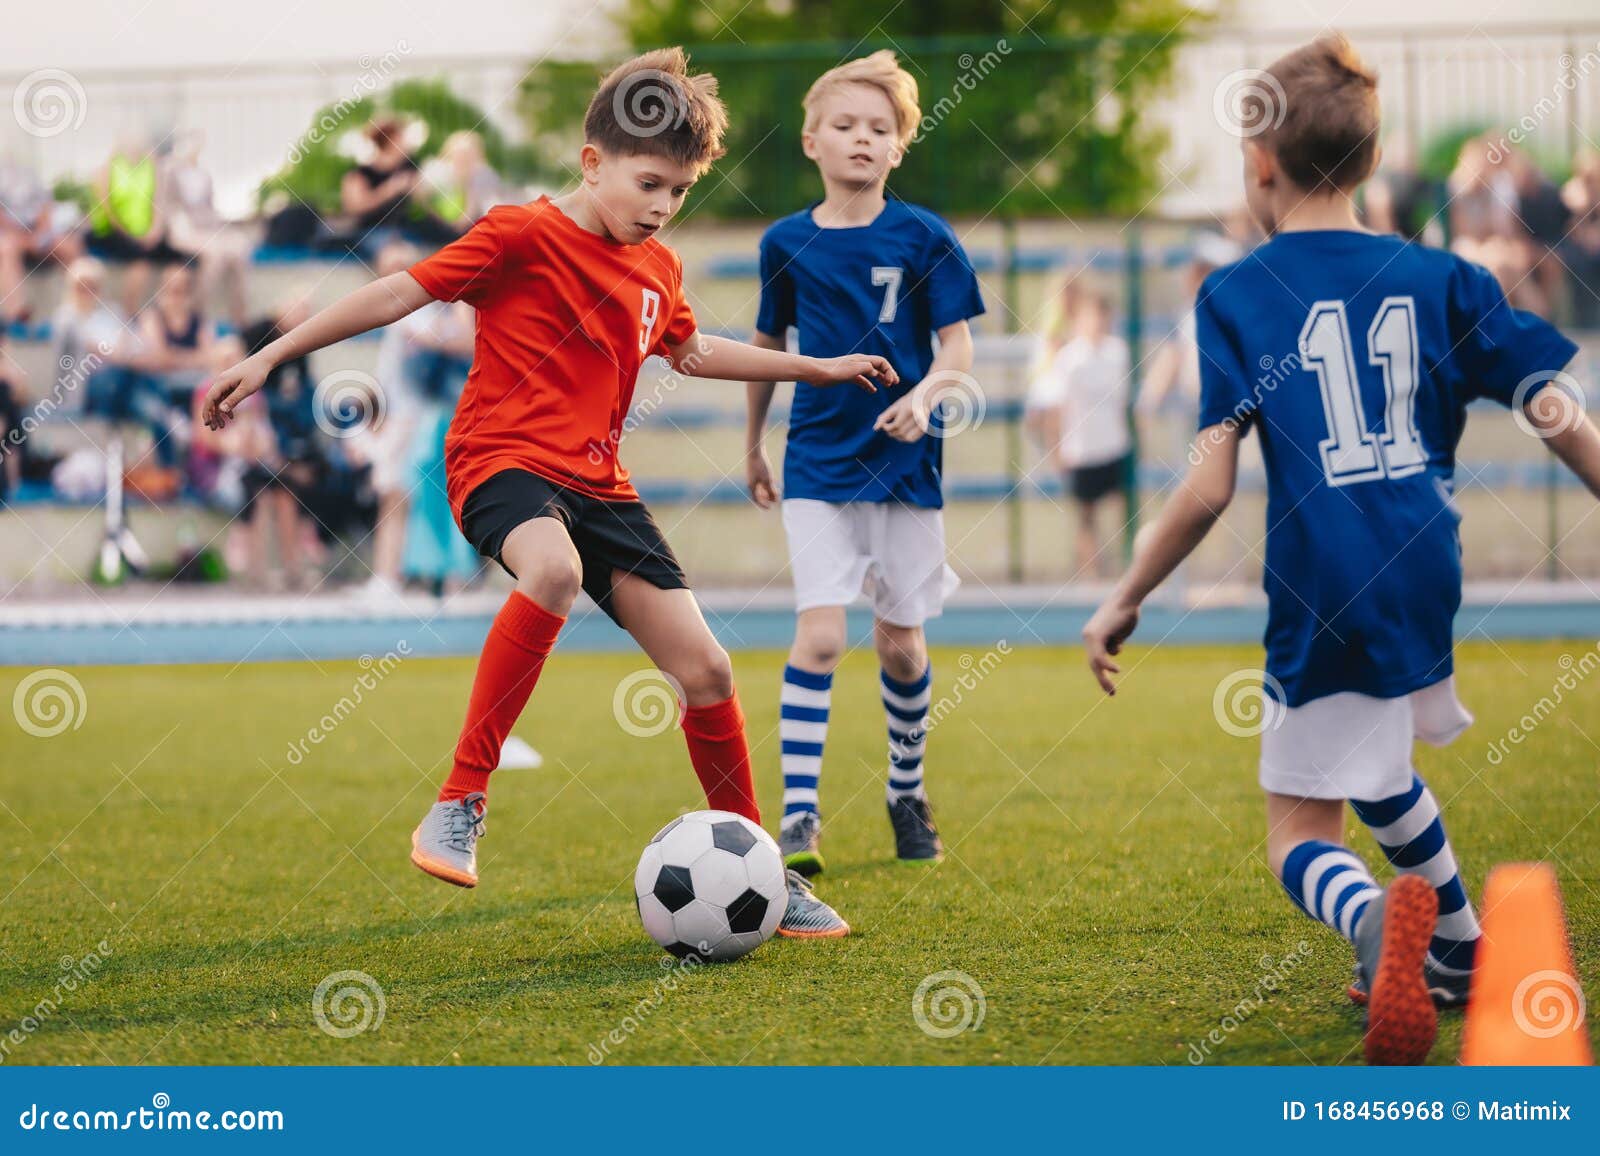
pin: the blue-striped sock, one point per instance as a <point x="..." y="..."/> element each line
<point x="1330" y="883"/>
<point x="905" y="706"/>
<point x="802" y="729"/>
<point x="1411" y="833"/>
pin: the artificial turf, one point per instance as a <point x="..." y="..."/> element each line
<point x="1104" y="885"/>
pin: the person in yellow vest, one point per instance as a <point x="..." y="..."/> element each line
<point x="126" y="226"/>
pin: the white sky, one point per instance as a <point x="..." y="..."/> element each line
<point x="161" y="34"/>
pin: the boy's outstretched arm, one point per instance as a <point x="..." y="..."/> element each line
<point x="1188" y="515"/>
<point x="1571" y="434"/>
<point x="758" y="402"/>
<point x="701" y="355"/>
<point x="380" y="303"/>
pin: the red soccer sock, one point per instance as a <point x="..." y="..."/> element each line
<point x="721" y="756"/>
<point x="513" y="655"/>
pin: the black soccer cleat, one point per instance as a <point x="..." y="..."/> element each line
<point x="916" y="839"/>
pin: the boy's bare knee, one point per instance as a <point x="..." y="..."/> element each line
<point x="706" y="677"/>
<point x="902" y="651"/>
<point x="819" y="643"/>
<point x="552" y="580"/>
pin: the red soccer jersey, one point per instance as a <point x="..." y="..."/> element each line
<point x="565" y="319"/>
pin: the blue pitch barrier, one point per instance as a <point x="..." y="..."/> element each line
<point x="616" y="1109"/>
<point x="286" y="639"/>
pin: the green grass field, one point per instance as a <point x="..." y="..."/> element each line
<point x="1105" y="884"/>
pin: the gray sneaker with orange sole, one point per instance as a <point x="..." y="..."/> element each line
<point x="445" y="843"/>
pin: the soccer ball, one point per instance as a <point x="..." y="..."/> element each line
<point x="711" y="885"/>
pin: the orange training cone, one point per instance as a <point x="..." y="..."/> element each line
<point x="1527" y="1006"/>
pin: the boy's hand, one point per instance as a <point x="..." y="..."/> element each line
<point x="908" y="418"/>
<point x="1104" y="635"/>
<point x="231" y="387"/>
<point x="758" y="477"/>
<point x="860" y="368"/>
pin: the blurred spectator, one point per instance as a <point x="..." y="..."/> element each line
<point x="126" y="223"/>
<point x="177" y="342"/>
<point x="13" y="444"/>
<point x="90" y="346"/>
<point x="1172" y="384"/>
<point x="1580" y="252"/>
<point x="436" y="554"/>
<point x="1486" y="225"/>
<point x="1078" y="409"/>
<point x="34" y="229"/>
<point x="277" y="484"/>
<point x="196" y="229"/>
<point x="385" y="443"/>
<point x="462" y="184"/>
<point x="1543" y="221"/>
<point x="1400" y="200"/>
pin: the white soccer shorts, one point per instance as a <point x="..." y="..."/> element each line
<point x="892" y="553"/>
<point x="1354" y="746"/>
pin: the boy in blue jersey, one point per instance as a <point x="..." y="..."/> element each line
<point x="1353" y="357"/>
<point x="862" y="272"/>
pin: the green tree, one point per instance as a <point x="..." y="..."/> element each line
<point x="1030" y="106"/>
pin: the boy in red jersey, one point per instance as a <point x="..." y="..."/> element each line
<point x="572" y="294"/>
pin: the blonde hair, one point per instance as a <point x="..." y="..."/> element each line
<point x="881" y="71"/>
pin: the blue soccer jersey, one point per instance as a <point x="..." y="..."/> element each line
<point x="883" y="288"/>
<point x="1353" y="357"/>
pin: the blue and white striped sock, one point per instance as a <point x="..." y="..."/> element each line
<point x="1411" y="833"/>
<point x="1330" y="883"/>
<point x="905" y="706"/>
<point x="802" y="729"/>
